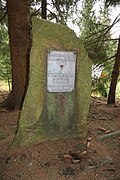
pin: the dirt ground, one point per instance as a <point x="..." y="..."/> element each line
<point x="64" y="159"/>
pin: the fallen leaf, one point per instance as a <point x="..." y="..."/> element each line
<point x="67" y="156"/>
<point x="88" y="142"/>
<point x="108" y="131"/>
<point x="102" y="129"/>
<point x="75" y="161"/>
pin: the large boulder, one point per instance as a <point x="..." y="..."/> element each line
<point x="52" y="115"/>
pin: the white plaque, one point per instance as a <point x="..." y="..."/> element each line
<point x="61" y="71"/>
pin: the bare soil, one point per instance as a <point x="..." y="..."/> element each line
<point x="52" y="160"/>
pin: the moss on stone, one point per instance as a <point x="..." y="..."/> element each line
<point x="54" y="115"/>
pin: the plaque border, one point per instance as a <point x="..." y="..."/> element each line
<point x="62" y="51"/>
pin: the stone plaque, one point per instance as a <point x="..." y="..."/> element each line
<point x="61" y="71"/>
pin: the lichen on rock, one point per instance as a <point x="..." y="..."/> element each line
<point x="46" y="115"/>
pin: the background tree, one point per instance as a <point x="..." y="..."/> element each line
<point x="5" y="65"/>
<point x="96" y="35"/>
<point x="114" y="78"/>
<point x="62" y="10"/>
<point x="20" y="43"/>
<point x="44" y="9"/>
<point x="115" y="72"/>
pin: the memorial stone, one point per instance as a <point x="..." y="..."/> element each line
<point x="58" y="95"/>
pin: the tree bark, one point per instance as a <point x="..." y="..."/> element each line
<point x="44" y="9"/>
<point x="20" y="44"/>
<point x="115" y="74"/>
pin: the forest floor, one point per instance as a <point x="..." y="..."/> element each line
<point x="64" y="159"/>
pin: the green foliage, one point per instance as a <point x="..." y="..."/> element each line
<point x="62" y="10"/>
<point x="100" y="85"/>
<point x="2" y="11"/>
<point x="112" y="2"/>
<point x="95" y="33"/>
<point x="58" y="11"/>
<point x="5" y="64"/>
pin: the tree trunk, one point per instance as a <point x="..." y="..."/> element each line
<point x="44" y="9"/>
<point x="115" y="74"/>
<point x="19" y="34"/>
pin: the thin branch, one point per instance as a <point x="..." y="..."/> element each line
<point x="110" y="27"/>
<point x="36" y="12"/>
<point x="52" y="13"/>
<point x="107" y="28"/>
<point x="116" y="39"/>
<point x="92" y="42"/>
<point x="107" y="59"/>
<point x="4" y="15"/>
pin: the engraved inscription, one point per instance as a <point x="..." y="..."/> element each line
<point x="61" y="71"/>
